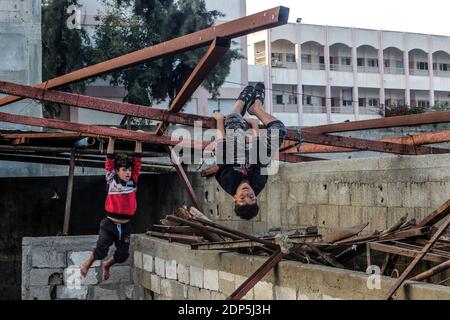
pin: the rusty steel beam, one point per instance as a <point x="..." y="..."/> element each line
<point x="391" y="122"/>
<point x="121" y="134"/>
<point x="257" y="276"/>
<point x="69" y="194"/>
<point x="207" y="122"/>
<point x="419" y="139"/>
<point x="369" y="145"/>
<point x="81" y="101"/>
<point x="209" y="60"/>
<point x="432" y="272"/>
<point x="45" y="135"/>
<point x="259" y="21"/>
<point x="442" y="228"/>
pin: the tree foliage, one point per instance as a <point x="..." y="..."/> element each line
<point x="130" y="25"/>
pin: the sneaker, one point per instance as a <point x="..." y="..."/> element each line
<point x="260" y="94"/>
<point x="248" y="96"/>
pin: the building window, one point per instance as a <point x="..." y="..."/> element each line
<point x="361" y="102"/>
<point x="308" y="100"/>
<point x="444" y="67"/>
<point x="279" y="98"/>
<point x="373" y="102"/>
<point x="277" y="58"/>
<point x="290" y="57"/>
<point x="372" y="63"/>
<point x="387" y="63"/>
<point x="322" y="60"/>
<point x="399" y="64"/>
<point x="347" y="103"/>
<point x="423" y="104"/>
<point x="306" y="58"/>
<point x="421" y="65"/>
<point x="361" y="62"/>
<point x="346" y="61"/>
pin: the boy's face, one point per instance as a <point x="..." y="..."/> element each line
<point x="124" y="173"/>
<point x="244" y="195"/>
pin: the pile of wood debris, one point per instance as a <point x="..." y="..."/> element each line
<point x="405" y="238"/>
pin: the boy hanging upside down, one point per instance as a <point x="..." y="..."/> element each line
<point x="122" y="173"/>
<point x="238" y="175"/>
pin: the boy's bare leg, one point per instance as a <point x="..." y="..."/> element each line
<point x="86" y="265"/>
<point x="257" y="109"/>
<point x="238" y="107"/>
<point x="106" y="265"/>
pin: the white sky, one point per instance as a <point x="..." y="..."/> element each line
<point x="425" y="16"/>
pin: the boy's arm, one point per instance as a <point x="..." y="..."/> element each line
<point x="137" y="160"/>
<point x="109" y="163"/>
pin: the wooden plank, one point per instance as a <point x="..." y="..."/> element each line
<point x="406" y="252"/>
<point x="437" y="215"/>
<point x="419" y="257"/>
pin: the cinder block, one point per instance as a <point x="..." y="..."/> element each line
<point x="328" y="216"/>
<point x="73" y="278"/>
<point x="77" y="258"/>
<point x="218" y="296"/>
<point x="183" y="273"/>
<point x="119" y="274"/>
<point x="137" y="259"/>
<point x="196" y="276"/>
<point x="416" y="195"/>
<point x="318" y="194"/>
<point x="349" y="216"/>
<point x="48" y="259"/>
<point x="339" y="193"/>
<point x="100" y="293"/>
<point x="43" y="277"/>
<point x="211" y="280"/>
<point x="172" y="289"/>
<point x="195" y="293"/>
<point x="171" y="269"/>
<point x="362" y="194"/>
<point x="239" y="280"/>
<point x="160" y="267"/>
<point x="263" y="291"/>
<point x="285" y="293"/>
<point x="299" y="192"/>
<point x="307" y="216"/>
<point x="147" y="262"/>
<point x="226" y="282"/>
<point x="155" y="283"/>
<point x="64" y="293"/>
<point x="39" y="293"/>
<point x="376" y="216"/>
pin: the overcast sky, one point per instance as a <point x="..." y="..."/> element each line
<point x="430" y="16"/>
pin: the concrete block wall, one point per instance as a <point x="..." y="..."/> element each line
<point x="50" y="271"/>
<point x="171" y="271"/>
<point x="333" y="194"/>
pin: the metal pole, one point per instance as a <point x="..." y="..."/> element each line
<point x="69" y="193"/>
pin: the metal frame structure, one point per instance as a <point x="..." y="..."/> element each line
<point x="320" y="139"/>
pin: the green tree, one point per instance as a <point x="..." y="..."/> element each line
<point x="130" y="25"/>
<point x="63" y="50"/>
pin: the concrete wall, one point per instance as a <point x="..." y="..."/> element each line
<point x="50" y="271"/>
<point x="172" y="271"/>
<point x="335" y="194"/>
<point x="21" y="52"/>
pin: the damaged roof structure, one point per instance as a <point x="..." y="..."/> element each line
<point x="419" y="240"/>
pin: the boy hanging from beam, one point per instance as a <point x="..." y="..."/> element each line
<point x="242" y="167"/>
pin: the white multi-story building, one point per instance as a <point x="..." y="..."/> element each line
<point x="323" y="74"/>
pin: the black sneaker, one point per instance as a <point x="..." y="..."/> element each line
<point x="260" y="92"/>
<point x="248" y="96"/>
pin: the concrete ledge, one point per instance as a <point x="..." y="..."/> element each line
<point x="290" y="280"/>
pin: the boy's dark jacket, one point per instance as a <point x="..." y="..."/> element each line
<point x="229" y="178"/>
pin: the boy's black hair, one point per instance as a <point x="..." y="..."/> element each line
<point x="123" y="161"/>
<point x="247" y="211"/>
